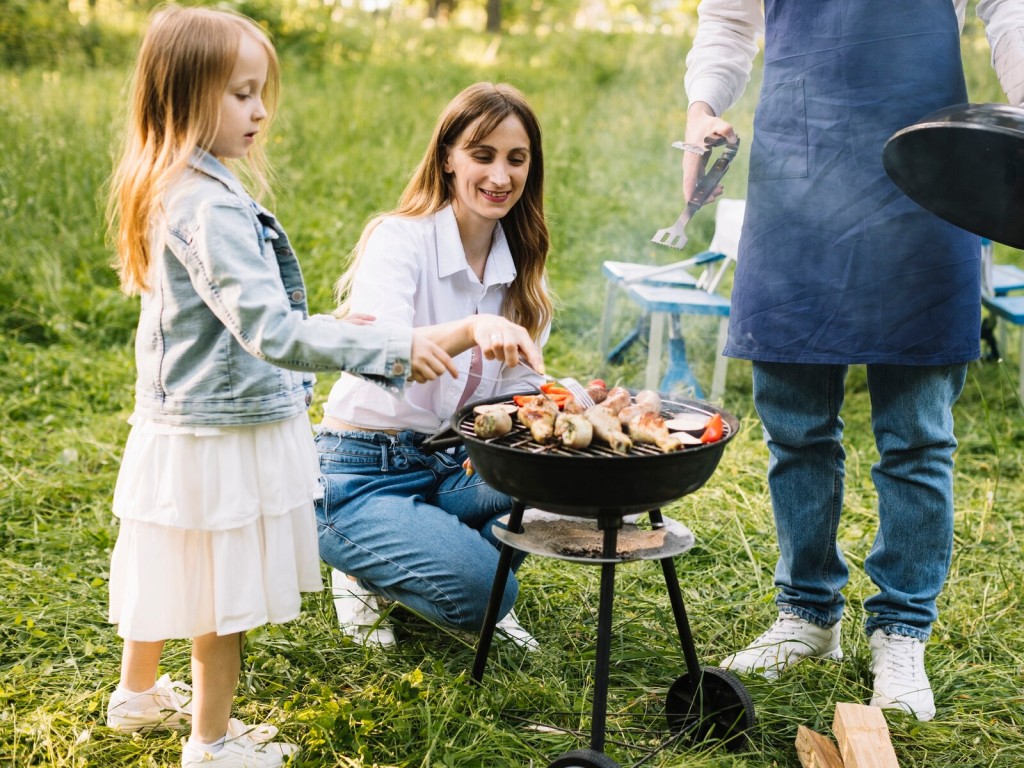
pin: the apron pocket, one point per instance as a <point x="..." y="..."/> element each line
<point x="779" y="148"/>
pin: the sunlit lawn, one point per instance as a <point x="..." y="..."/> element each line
<point x="349" y="136"/>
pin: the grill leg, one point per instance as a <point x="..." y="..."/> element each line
<point x="602" y="667"/>
<point x="515" y="524"/>
<point x="675" y="597"/>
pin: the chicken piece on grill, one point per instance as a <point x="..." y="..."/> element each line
<point x="607" y="428"/>
<point x="649" y="400"/>
<point x="492" y="423"/>
<point x="597" y="391"/>
<point x="572" y="405"/>
<point x="573" y="430"/>
<point x="646" y="401"/>
<point x="650" y="428"/>
<point x="618" y="398"/>
<point x="538" y="413"/>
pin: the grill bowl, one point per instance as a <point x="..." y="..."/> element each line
<point x="596" y="480"/>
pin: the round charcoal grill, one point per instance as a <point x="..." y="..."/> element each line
<point x="596" y="487"/>
<point x="595" y="481"/>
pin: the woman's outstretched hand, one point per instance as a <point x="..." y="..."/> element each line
<point x="497" y="337"/>
<point x="501" y="339"/>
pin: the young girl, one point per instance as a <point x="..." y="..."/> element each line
<point x="219" y="474"/>
<point x="467" y="246"/>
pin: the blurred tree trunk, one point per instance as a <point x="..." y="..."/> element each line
<point x="440" y="10"/>
<point x="494" y="16"/>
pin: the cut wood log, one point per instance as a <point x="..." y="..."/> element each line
<point x="863" y="737"/>
<point x="815" y="750"/>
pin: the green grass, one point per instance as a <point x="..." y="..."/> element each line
<point x="350" y="134"/>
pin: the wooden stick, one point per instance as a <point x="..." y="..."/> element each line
<point x="863" y="737"/>
<point x="815" y="750"/>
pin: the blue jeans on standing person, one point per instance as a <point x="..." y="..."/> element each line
<point x="412" y="526"/>
<point x="912" y="420"/>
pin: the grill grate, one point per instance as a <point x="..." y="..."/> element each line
<point x="520" y="438"/>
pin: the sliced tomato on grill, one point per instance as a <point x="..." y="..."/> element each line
<point x="714" y="430"/>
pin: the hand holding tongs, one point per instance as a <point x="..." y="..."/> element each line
<point x="675" y="236"/>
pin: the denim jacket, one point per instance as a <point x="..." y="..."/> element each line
<point x="224" y="335"/>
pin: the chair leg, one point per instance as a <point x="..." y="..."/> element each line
<point x="657" y="338"/>
<point x="606" y="326"/>
<point x="1020" y="375"/>
<point x="721" y="361"/>
<point x="679" y="378"/>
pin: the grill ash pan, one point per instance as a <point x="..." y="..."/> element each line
<point x="593" y="481"/>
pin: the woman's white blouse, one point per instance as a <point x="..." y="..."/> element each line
<point x="414" y="273"/>
<point x="719" y="63"/>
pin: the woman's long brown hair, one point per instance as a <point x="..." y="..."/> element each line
<point x="430" y="189"/>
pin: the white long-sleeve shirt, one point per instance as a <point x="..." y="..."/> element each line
<point x="414" y="273"/>
<point x="719" y="63"/>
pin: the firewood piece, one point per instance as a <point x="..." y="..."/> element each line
<point x="815" y="750"/>
<point x="863" y="737"/>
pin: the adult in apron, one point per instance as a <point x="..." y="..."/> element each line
<point x="836" y="267"/>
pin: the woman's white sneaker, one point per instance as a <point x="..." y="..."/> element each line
<point x="510" y="628"/>
<point x="789" y="640"/>
<point x="897" y="663"/>
<point x="359" y="614"/>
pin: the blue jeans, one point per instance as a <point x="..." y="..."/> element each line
<point x="912" y="420"/>
<point x="411" y="526"/>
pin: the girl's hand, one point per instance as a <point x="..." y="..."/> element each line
<point x="427" y="358"/>
<point x="501" y="339"/>
<point x="702" y="124"/>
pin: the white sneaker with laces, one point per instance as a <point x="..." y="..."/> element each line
<point x="238" y="753"/>
<point x="168" y="706"/>
<point x="510" y="628"/>
<point x="897" y="663"/>
<point x="789" y="640"/>
<point x="358" y="612"/>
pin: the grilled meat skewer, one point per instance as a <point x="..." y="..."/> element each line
<point x="618" y="398"/>
<point x="493" y="423"/>
<point x="539" y="413"/>
<point x="647" y="401"/>
<point x="650" y="428"/>
<point x="574" y="430"/>
<point x="607" y="427"/>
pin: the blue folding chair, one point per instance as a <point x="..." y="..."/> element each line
<point x="665" y="294"/>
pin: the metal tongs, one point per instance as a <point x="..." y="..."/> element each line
<point x="675" y="236"/>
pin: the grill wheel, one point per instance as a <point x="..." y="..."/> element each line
<point x="716" y="707"/>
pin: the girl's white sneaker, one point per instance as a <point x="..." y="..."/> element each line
<point x="168" y="706"/>
<point x="238" y="753"/>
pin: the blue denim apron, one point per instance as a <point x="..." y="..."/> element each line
<point x="836" y="265"/>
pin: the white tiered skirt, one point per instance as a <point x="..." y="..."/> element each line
<point x="217" y="529"/>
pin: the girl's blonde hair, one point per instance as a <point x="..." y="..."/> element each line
<point x="183" y="67"/>
<point x="431" y="188"/>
